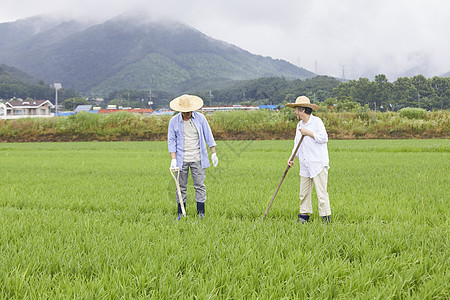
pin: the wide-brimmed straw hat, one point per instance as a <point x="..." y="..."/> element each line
<point x="303" y="101"/>
<point x="186" y="103"/>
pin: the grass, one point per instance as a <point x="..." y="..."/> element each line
<point x="96" y="220"/>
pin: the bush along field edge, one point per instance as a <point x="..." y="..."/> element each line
<point x="235" y="125"/>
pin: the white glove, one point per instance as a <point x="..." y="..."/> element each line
<point x="214" y="159"/>
<point x="173" y="164"/>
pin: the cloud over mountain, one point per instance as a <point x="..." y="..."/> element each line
<point x="127" y="52"/>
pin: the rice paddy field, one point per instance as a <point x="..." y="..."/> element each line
<point x="96" y="220"/>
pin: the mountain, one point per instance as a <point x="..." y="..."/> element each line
<point x="15" y="75"/>
<point x="16" y="83"/>
<point x="124" y="52"/>
<point x="7" y="78"/>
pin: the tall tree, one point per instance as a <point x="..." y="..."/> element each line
<point x="423" y="87"/>
<point x="405" y="93"/>
<point x="441" y="86"/>
<point x="383" y="90"/>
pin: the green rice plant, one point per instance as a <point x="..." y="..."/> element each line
<point x="97" y="220"/>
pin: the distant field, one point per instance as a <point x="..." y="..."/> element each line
<point x="97" y="220"/>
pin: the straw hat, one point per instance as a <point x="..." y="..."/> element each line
<point x="303" y="101"/>
<point x="186" y="103"/>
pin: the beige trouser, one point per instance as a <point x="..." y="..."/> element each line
<point x="306" y="187"/>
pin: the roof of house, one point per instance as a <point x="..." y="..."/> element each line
<point x="83" y="108"/>
<point x="28" y="104"/>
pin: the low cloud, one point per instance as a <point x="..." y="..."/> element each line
<point x="350" y="37"/>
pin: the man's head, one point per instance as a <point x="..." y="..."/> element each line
<point x="306" y="110"/>
<point x="303" y="113"/>
<point x="186" y="115"/>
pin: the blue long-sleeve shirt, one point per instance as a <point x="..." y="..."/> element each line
<point x="175" y="137"/>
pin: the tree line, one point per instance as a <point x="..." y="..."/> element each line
<point x="379" y="94"/>
<point x="417" y="91"/>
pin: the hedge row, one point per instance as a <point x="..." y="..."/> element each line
<point x="236" y="125"/>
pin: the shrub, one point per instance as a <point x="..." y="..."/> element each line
<point x="232" y="125"/>
<point x="413" y="113"/>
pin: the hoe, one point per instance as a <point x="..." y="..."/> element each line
<point x="284" y="175"/>
<point x="177" y="183"/>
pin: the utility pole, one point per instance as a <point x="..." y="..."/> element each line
<point x="150" y="102"/>
<point x="418" y="98"/>
<point x="56" y="86"/>
<point x="210" y="97"/>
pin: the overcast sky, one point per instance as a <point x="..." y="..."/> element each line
<point x="334" y="37"/>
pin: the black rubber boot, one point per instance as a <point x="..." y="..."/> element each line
<point x="180" y="212"/>
<point x="201" y="209"/>
<point x="303" y="219"/>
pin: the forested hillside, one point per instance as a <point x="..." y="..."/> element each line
<point x="15" y="83"/>
<point x="379" y="94"/>
<point x="275" y="90"/>
<point x="128" y="53"/>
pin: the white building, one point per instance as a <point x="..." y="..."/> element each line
<point x="24" y="109"/>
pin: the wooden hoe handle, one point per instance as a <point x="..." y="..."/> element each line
<point x="177" y="183"/>
<point x="282" y="178"/>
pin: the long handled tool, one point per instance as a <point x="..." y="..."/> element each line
<point x="177" y="182"/>
<point x="284" y="175"/>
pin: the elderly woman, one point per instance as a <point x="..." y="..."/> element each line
<point x="188" y="134"/>
<point x="313" y="159"/>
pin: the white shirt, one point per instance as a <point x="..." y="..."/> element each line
<point x="313" y="152"/>
<point x="191" y="142"/>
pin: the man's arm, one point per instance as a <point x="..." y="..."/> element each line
<point x="307" y="132"/>
<point x="207" y="133"/>
<point x="171" y="136"/>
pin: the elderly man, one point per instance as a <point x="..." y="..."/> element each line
<point x="313" y="158"/>
<point x="186" y="138"/>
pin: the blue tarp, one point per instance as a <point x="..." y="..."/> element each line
<point x="268" y="106"/>
<point x="159" y="113"/>
<point x="65" y="114"/>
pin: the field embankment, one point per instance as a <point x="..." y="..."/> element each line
<point x="237" y="125"/>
